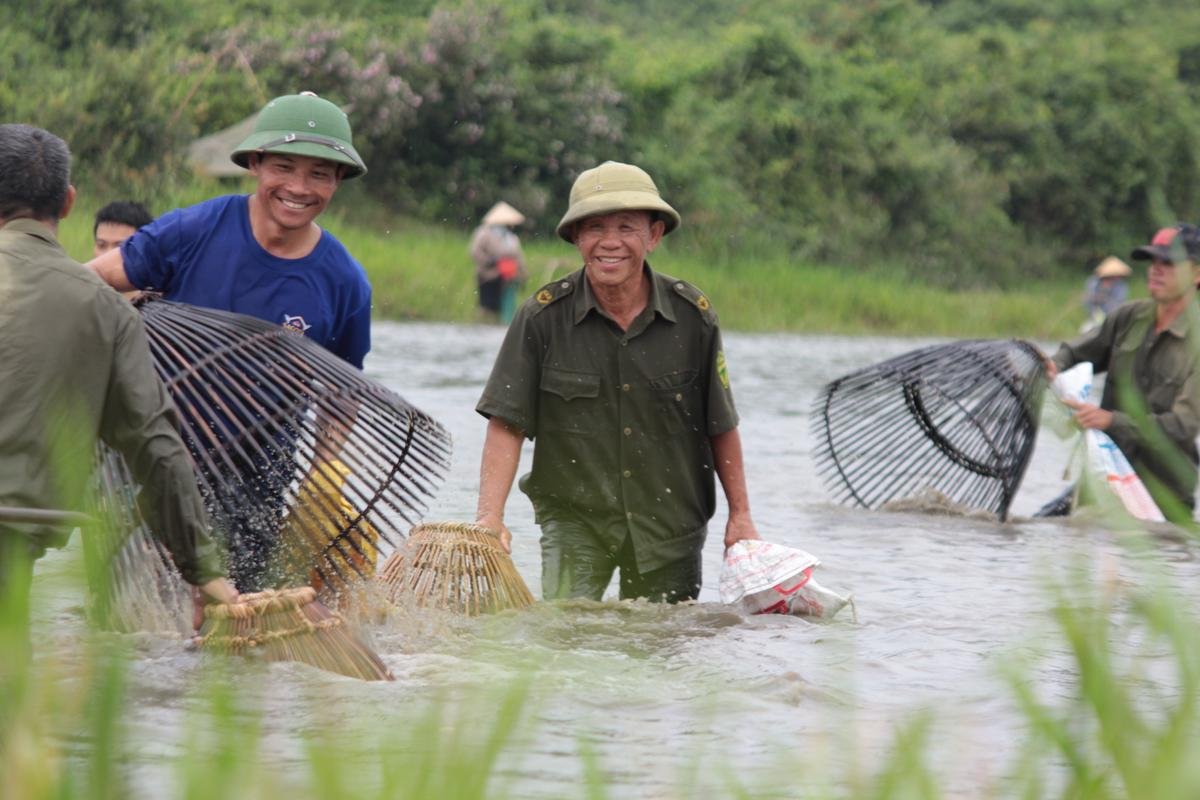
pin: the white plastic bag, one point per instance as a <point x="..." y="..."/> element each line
<point x="1103" y="456"/>
<point x="765" y="578"/>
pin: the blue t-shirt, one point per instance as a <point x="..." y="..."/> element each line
<point x="207" y="255"/>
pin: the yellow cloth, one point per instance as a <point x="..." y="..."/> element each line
<point x="323" y="515"/>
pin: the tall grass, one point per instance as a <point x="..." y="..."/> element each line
<point x="422" y="272"/>
<point x="1129" y="727"/>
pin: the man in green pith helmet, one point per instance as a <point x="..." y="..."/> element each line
<point x="618" y="375"/>
<point x="264" y="255"/>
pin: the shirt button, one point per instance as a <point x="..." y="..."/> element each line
<point x="628" y="515"/>
<point x="565" y="285"/>
<point x="678" y="397"/>
<point x="625" y="387"/>
<point x="624" y="342"/>
<point x="629" y="431"/>
<point x="627" y="474"/>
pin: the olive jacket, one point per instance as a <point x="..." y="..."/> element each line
<point x="75" y="366"/>
<point x="1153" y="390"/>
<point x="621" y="420"/>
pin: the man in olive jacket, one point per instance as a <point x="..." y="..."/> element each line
<point x="1151" y="352"/>
<point x="618" y="375"/>
<point x="75" y="365"/>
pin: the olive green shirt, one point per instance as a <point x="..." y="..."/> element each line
<point x="620" y="420"/>
<point x="75" y="365"/>
<point x="1164" y="371"/>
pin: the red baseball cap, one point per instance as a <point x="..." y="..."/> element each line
<point x="1176" y="243"/>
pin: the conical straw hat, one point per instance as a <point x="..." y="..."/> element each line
<point x="1113" y="267"/>
<point x="503" y="214"/>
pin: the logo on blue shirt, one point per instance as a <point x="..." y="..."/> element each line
<point x="295" y="323"/>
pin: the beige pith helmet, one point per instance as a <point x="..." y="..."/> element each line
<point x="503" y="214"/>
<point x="614" y="186"/>
<point x="1113" y="267"/>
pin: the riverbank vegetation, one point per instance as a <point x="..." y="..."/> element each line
<point x="421" y="272"/>
<point x="956" y="143"/>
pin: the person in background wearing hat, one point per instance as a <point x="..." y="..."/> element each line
<point x="116" y="222"/>
<point x="1151" y="352"/>
<point x="1106" y="290"/>
<point x="618" y="375"/>
<point x="499" y="262"/>
<point x="264" y="255"/>
<point x="74" y="362"/>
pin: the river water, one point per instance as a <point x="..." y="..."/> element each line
<point x="672" y="700"/>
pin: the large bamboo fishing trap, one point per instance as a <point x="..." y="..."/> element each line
<point x="258" y="404"/>
<point x="955" y="422"/>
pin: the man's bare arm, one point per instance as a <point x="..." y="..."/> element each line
<point x="111" y="269"/>
<point x="727" y="456"/>
<point x="497" y="468"/>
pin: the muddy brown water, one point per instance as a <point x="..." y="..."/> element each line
<point x="672" y="699"/>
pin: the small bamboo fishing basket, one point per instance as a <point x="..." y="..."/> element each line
<point x="454" y="566"/>
<point x="290" y="625"/>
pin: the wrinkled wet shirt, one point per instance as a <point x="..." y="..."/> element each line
<point x="620" y="420"/>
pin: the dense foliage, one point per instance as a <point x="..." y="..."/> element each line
<point x="968" y="141"/>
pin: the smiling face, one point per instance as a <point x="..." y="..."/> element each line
<point x="294" y="190"/>
<point x="614" y="246"/>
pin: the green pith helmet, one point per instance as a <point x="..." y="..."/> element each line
<point x="614" y="186"/>
<point x="302" y="125"/>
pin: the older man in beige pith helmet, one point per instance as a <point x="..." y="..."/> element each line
<point x="617" y="374"/>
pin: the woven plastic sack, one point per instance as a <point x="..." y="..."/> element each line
<point x="766" y="578"/>
<point x="1103" y="456"/>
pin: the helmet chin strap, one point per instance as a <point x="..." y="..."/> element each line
<point x="311" y="138"/>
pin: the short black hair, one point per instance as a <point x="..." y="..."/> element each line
<point x="35" y="172"/>
<point x="123" y="212"/>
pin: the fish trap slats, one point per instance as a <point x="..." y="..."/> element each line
<point x="290" y="625"/>
<point x="133" y="582"/>
<point x="257" y="403"/>
<point x="955" y="421"/>
<point x="454" y="566"/>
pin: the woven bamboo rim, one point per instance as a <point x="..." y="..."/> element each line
<point x="265" y="602"/>
<point x="260" y="604"/>
<point x="479" y="535"/>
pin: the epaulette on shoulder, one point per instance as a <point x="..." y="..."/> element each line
<point x="697" y="299"/>
<point x="551" y="292"/>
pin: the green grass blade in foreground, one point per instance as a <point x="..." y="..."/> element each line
<point x="108" y="736"/>
<point x="220" y="756"/>
<point x="1128" y="730"/>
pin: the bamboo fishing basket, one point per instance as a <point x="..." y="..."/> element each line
<point x="955" y="421"/>
<point x="290" y="625"/>
<point x="454" y="566"/>
<point x="259" y="406"/>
